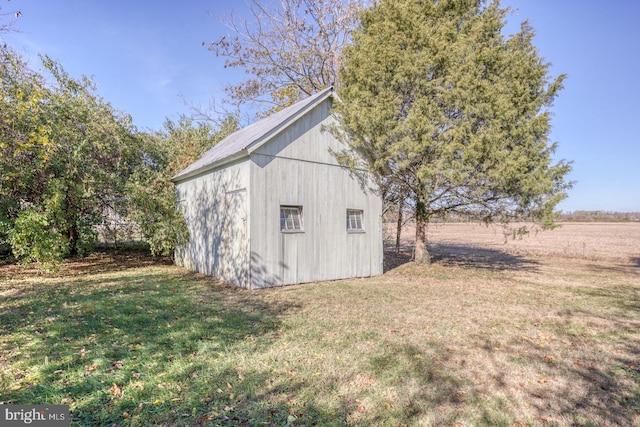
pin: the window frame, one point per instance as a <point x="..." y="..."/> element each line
<point x="357" y="220"/>
<point x="284" y="219"/>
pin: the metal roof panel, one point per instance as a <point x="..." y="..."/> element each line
<point x="251" y="136"/>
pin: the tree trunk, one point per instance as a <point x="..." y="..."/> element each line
<point x="72" y="234"/>
<point x="399" y="226"/>
<point x="422" y="255"/>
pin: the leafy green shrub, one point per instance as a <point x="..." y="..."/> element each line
<point x="35" y="238"/>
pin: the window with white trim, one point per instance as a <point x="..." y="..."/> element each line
<point x="355" y="220"/>
<point x="291" y="218"/>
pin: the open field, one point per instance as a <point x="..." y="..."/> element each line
<point x="526" y="333"/>
<point x="593" y="241"/>
<point x="606" y="241"/>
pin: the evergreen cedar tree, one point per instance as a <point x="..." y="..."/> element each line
<point x="450" y="112"/>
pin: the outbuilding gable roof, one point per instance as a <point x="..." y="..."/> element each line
<point x="239" y="143"/>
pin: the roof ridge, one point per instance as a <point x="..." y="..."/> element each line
<point x="258" y="132"/>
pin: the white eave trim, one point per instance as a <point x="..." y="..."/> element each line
<point x="200" y="171"/>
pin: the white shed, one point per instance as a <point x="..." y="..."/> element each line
<point x="269" y="205"/>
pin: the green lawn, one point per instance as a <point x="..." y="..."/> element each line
<point x="125" y="341"/>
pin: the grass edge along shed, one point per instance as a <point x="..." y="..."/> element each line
<point x="270" y="205"/>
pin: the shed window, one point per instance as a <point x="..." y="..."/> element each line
<point x="291" y="218"/>
<point x="355" y="220"/>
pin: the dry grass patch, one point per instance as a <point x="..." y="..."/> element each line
<point x="594" y="241"/>
<point x="542" y="342"/>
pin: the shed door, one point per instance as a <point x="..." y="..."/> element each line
<point x="289" y="258"/>
<point x="236" y="239"/>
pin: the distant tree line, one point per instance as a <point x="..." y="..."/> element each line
<point x="599" y="216"/>
<point x="391" y="216"/>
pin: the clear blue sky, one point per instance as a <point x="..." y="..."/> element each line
<point x="146" y="58"/>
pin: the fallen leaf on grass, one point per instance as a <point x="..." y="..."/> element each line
<point x="115" y="390"/>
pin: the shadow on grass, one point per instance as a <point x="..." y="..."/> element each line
<point x="606" y="389"/>
<point x="261" y="398"/>
<point x="140" y="343"/>
<point x="439" y="390"/>
<point x="583" y="369"/>
<point x="425" y="377"/>
<point x="466" y="256"/>
<point x="100" y="261"/>
<point x="393" y="259"/>
<point x="599" y="394"/>
<point x="613" y="287"/>
<point x="630" y="268"/>
<point x="469" y="256"/>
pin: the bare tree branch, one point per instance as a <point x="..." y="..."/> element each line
<point x="289" y="50"/>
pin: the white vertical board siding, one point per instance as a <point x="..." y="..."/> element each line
<point x="296" y="168"/>
<point x="216" y="207"/>
<point x="233" y="212"/>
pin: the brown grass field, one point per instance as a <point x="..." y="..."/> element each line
<point x="616" y="242"/>
<point x="592" y="241"/>
<point x="542" y="331"/>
